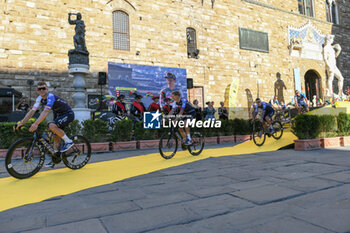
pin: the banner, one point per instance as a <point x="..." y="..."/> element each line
<point x="147" y="81"/>
<point x="233" y="92"/>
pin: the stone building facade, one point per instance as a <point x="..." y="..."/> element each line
<point x="35" y="37"/>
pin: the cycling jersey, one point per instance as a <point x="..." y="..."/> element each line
<point x="301" y="98"/>
<point x="265" y="107"/>
<point x="185" y="106"/>
<point x="58" y="105"/>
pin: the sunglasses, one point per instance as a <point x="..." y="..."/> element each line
<point x="41" y="88"/>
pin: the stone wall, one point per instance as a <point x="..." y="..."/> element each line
<point x="37" y="36"/>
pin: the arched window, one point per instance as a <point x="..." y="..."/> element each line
<point x="121" y="34"/>
<point x="306" y="7"/>
<point x="191" y="38"/>
<point x="332" y="11"/>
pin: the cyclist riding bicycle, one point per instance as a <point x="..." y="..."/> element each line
<point x="267" y="113"/>
<point x="185" y="111"/>
<point x="63" y="115"/>
<point x="300" y="101"/>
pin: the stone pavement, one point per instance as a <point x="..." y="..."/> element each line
<point x="282" y="191"/>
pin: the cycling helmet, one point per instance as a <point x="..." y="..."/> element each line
<point x="257" y="100"/>
<point x="170" y="75"/>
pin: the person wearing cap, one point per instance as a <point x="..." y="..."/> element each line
<point x="166" y="92"/>
<point x="137" y="108"/>
<point x="267" y="113"/>
<point x="153" y="107"/>
<point x="167" y="107"/>
<point x="119" y="107"/>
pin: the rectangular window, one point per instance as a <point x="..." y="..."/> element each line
<point x="121" y="36"/>
<point x="305" y="7"/>
<point x="328" y="14"/>
<point x="192" y="51"/>
<point x="309" y="9"/>
<point x="301" y="6"/>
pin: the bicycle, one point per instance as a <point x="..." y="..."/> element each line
<point x="283" y="116"/>
<point x="168" y="143"/>
<point x="260" y="132"/>
<point x="29" y="154"/>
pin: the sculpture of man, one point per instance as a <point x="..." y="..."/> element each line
<point x="330" y="53"/>
<point x="79" y="37"/>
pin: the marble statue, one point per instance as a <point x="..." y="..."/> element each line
<point x="330" y="53"/>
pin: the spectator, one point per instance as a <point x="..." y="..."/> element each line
<point x="153" y="107"/>
<point x="274" y="103"/>
<point x="209" y="112"/>
<point x="198" y="110"/>
<point x="167" y="107"/>
<point x="23" y="105"/>
<point x="119" y="107"/>
<point x="223" y="114"/>
<point x="137" y="108"/>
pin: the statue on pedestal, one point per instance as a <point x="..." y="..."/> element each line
<point x="330" y="53"/>
<point x="79" y="55"/>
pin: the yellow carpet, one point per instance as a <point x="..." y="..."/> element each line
<point x="48" y="184"/>
<point x="64" y="181"/>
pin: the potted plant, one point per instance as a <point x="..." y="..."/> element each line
<point x="306" y="127"/>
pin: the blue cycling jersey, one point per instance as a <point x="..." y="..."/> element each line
<point x="185" y="106"/>
<point x="264" y="106"/>
<point x="58" y="105"/>
<point x="300" y="98"/>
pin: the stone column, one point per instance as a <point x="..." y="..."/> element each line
<point x="80" y="109"/>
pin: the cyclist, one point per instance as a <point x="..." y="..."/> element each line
<point x="63" y="115"/>
<point x="300" y="101"/>
<point x="184" y="108"/>
<point x="267" y="113"/>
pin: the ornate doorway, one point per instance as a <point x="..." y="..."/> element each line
<point x="312" y="85"/>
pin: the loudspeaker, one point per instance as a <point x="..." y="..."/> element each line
<point x="189" y="83"/>
<point x="102" y="78"/>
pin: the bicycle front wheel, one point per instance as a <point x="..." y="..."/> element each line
<point x="24" y="158"/>
<point x="197" y="145"/>
<point x="259" y="135"/>
<point x="79" y="154"/>
<point x="168" y="145"/>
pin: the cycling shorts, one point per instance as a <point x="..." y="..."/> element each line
<point x="302" y="104"/>
<point x="268" y="113"/>
<point x="63" y="120"/>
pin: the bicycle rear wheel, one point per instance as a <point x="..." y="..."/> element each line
<point x="278" y="130"/>
<point x="259" y="135"/>
<point x="24" y="158"/>
<point x="79" y="154"/>
<point x="197" y="144"/>
<point x="168" y="145"/>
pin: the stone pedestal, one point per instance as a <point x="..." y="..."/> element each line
<point x="80" y="102"/>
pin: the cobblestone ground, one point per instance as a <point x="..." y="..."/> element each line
<point x="282" y="191"/>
